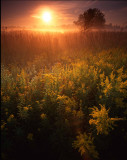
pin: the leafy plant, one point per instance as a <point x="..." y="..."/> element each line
<point x="101" y="120"/>
<point x="84" y="144"/>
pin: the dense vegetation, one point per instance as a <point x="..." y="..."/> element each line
<point x="64" y="96"/>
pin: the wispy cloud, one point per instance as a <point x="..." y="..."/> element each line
<point x="62" y="11"/>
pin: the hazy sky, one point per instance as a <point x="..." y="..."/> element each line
<point x="28" y="13"/>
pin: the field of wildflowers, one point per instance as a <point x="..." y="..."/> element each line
<point x="63" y="96"/>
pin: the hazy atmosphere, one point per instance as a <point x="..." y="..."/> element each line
<point x="29" y="13"/>
<point x="63" y="80"/>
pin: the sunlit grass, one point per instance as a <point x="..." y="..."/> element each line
<point x="50" y="85"/>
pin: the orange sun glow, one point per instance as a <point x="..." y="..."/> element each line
<point x="46" y="17"/>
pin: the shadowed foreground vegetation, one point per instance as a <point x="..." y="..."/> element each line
<point x="64" y="96"/>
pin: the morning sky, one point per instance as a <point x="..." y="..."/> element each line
<point x="29" y="13"/>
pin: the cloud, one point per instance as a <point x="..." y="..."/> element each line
<point x="62" y="11"/>
<point x="36" y="16"/>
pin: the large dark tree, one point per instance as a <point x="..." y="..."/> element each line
<point x="92" y="18"/>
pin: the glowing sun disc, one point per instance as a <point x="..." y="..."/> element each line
<point x="46" y="17"/>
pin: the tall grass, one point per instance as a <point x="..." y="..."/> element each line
<point x="23" y="46"/>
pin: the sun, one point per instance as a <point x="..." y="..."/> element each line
<point x="46" y="17"/>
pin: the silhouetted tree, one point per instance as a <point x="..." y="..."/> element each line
<point x="90" y="18"/>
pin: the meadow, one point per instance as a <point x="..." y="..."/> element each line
<point x="63" y="95"/>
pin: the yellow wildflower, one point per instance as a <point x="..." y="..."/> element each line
<point x="100" y="96"/>
<point x="3" y="125"/>
<point x="37" y="102"/>
<point x="107" y="81"/>
<point x="68" y="109"/>
<point x="10" y="117"/>
<point x="70" y="83"/>
<point x="18" y="75"/>
<point x="30" y="136"/>
<point x="112" y="76"/>
<point x="25" y="108"/>
<point x="2" y="93"/>
<point x="43" y="116"/>
<point x="102" y="76"/>
<point x="80" y="114"/>
<point x="83" y="85"/>
<point x="83" y="91"/>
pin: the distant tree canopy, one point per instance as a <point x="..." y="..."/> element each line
<point x="92" y="18"/>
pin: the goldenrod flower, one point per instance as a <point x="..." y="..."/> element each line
<point x="25" y="108"/>
<point x="68" y="109"/>
<point x="83" y="85"/>
<point x="10" y="117"/>
<point x="30" y="136"/>
<point x="43" y="116"/>
<point x="3" y="125"/>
